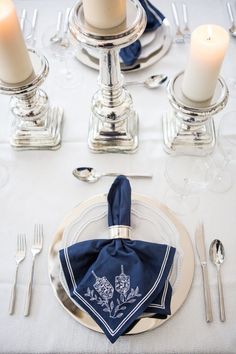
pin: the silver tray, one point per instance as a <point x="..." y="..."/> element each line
<point x="62" y="237"/>
<point x="151" y="53"/>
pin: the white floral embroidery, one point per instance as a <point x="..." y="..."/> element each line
<point x="105" y="293"/>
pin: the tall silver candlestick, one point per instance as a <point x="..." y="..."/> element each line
<point x="188" y="127"/>
<point x="114" y="122"/>
<point x="36" y="125"/>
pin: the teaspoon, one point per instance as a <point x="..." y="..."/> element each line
<point x="89" y="174"/>
<point x="217" y="256"/>
<point x="151" y="82"/>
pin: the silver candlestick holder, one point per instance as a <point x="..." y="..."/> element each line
<point x="114" y="122"/>
<point x="188" y="128"/>
<point x="36" y="125"/>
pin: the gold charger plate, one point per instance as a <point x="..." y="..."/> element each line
<point x="145" y="323"/>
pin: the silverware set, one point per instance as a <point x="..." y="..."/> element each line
<point x="20" y="255"/>
<point x="181" y="35"/>
<point x="217" y="255"/>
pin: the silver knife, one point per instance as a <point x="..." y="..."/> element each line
<point x="200" y="245"/>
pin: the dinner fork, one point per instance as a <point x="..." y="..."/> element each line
<point x="179" y="36"/>
<point x="186" y="30"/>
<point x="22" y="20"/>
<point x="19" y="257"/>
<point x="34" y="24"/>
<point x="35" y="250"/>
<point x="232" y="28"/>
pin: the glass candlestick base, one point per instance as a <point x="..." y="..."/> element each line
<point x="114" y="122"/>
<point x="188" y="128"/>
<point x="36" y="124"/>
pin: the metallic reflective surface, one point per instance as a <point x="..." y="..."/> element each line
<point x="188" y="127"/>
<point x="120" y="231"/>
<point x="151" y="82"/>
<point x="201" y="250"/>
<point x="114" y="122"/>
<point x="160" y="47"/>
<point x="144" y="324"/>
<point x="36" y="125"/>
<point x="89" y="174"/>
<point x="217" y="255"/>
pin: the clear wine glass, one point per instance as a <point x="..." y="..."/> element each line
<point x="186" y="176"/>
<point x="219" y="176"/>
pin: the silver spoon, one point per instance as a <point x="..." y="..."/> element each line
<point x="217" y="256"/>
<point x="151" y="82"/>
<point x="56" y="37"/>
<point x="89" y="174"/>
<point x="232" y="29"/>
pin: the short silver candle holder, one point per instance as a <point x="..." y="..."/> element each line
<point x="114" y="122"/>
<point x="36" y="125"/>
<point x="188" y="128"/>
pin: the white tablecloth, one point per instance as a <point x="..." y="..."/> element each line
<point x="42" y="189"/>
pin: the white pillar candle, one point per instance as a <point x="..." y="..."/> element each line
<point x="15" y="64"/>
<point x="208" y="47"/>
<point x="104" y="14"/>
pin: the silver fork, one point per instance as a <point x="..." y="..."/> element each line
<point x="35" y="250"/>
<point x="19" y="257"/>
<point x="64" y="40"/>
<point x="34" y="24"/>
<point x="179" y="36"/>
<point x="186" y="30"/>
<point x="22" y="20"/>
<point x="232" y="28"/>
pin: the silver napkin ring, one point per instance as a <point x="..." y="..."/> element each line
<point x="120" y="231"/>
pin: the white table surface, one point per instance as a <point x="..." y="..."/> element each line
<point x="42" y="189"/>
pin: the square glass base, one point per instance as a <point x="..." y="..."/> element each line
<point x="180" y="138"/>
<point x="121" y="137"/>
<point x="39" y="135"/>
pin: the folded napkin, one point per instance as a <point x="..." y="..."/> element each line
<point x="154" y="20"/>
<point x="116" y="280"/>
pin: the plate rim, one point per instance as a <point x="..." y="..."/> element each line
<point x="144" y="324"/>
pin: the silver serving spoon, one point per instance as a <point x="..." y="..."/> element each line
<point x="232" y="29"/>
<point x="56" y="37"/>
<point x="217" y="256"/>
<point x="151" y="82"/>
<point x="89" y="174"/>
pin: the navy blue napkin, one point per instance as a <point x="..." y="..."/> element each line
<point x="117" y="280"/>
<point x="154" y="20"/>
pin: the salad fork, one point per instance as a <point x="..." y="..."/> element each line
<point x="19" y="257"/>
<point x="35" y="250"/>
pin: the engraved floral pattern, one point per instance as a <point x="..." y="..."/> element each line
<point x="104" y="294"/>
